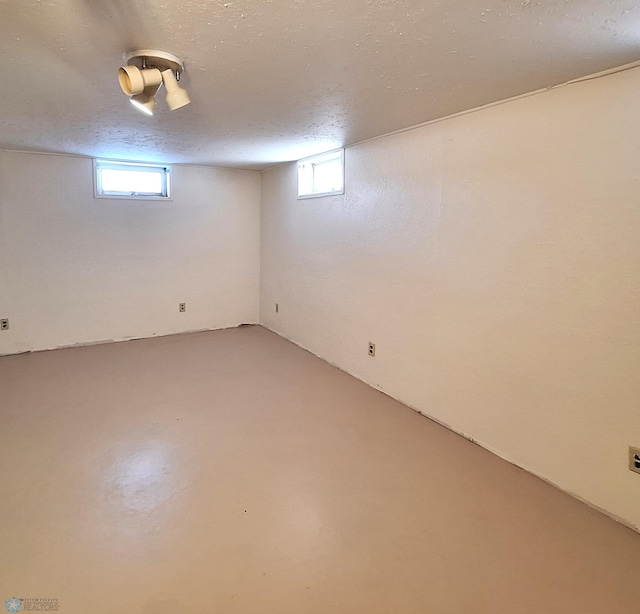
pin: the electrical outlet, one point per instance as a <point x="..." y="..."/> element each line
<point x="182" y="307"/>
<point x="372" y="349"/>
<point x="277" y="308"/>
<point x="634" y="459"/>
<point x="4" y="324"/>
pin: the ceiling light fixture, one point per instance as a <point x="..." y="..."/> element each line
<point x="145" y="101"/>
<point x="145" y="72"/>
<point x="176" y="96"/>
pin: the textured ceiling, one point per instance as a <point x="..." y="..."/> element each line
<point x="275" y="80"/>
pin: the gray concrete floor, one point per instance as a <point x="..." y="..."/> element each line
<point x="233" y="472"/>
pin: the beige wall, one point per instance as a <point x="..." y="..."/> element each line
<point x="494" y="259"/>
<point x="75" y="269"/>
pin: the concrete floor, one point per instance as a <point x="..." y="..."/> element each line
<point x="234" y="472"/>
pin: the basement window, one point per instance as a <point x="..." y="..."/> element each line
<point x="321" y="175"/>
<point x="131" y="180"/>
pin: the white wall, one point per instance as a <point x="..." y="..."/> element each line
<point x="75" y="269"/>
<point x="494" y="259"/>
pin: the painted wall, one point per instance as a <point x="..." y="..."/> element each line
<point x="494" y="259"/>
<point x="76" y="269"/>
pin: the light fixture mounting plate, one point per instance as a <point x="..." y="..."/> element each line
<point x="151" y="58"/>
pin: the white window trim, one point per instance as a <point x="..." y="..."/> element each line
<point x="97" y="162"/>
<point x="320" y="194"/>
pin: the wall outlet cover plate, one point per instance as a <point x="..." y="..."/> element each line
<point x="634" y="459"/>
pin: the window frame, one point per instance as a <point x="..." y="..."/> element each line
<point x="308" y="159"/>
<point x="100" y="163"/>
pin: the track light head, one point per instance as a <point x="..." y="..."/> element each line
<point x="134" y="81"/>
<point x="176" y="96"/>
<point x="146" y="101"/>
<point x="145" y="106"/>
<point x="145" y="72"/>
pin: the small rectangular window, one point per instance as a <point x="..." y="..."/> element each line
<point x="131" y="180"/>
<point x="321" y="175"/>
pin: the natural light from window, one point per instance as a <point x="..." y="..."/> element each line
<point x="321" y="175"/>
<point x="125" y="180"/>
